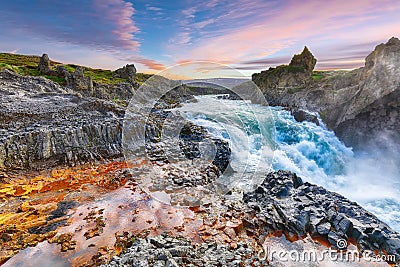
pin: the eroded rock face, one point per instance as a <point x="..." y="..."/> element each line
<point x="284" y="202"/>
<point x="43" y="123"/>
<point x="275" y="83"/>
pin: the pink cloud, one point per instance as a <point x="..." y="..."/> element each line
<point x="151" y="64"/>
<point x="119" y="13"/>
<point x="297" y="23"/>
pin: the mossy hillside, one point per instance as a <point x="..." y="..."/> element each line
<point x="27" y="65"/>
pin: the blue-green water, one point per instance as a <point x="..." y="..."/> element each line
<point x="311" y="151"/>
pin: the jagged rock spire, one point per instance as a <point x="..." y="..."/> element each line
<point x="304" y="60"/>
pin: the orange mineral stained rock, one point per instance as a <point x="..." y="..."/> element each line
<point x="33" y="207"/>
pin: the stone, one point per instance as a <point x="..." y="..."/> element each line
<point x="305" y="60"/>
<point x="324" y="229"/>
<point x="63" y="127"/>
<point x="301" y="115"/>
<point x="78" y="82"/>
<point x="44" y="64"/>
<point x="127" y="72"/>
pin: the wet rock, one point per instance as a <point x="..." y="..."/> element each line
<point x="301" y="115"/>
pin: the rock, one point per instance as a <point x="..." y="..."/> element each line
<point x="324" y="229"/>
<point x="127" y="72"/>
<point x="44" y="64"/>
<point x="301" y="115"/>
<point x="78" y="82"/>
<point x="44" y="124"/>
<point x="184" y="253"/>
<point x="305" y="60"/>
<point x="275" y="83"/>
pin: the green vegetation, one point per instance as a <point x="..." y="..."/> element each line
<point x="102" y="76"/>
<point x="28" y="65"/>
<point x="318" y="75"/>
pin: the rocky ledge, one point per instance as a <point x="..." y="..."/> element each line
<point x="283" y="202"/>
<point x="44" y="123"/>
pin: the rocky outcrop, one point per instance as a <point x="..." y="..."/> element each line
<point x="44" y="123"/>
<point x="305" y="60"/>
<point x="362" y="97"/>
<point x="77" y="81"/>
<point x="283" y="202"/>
<point x="127" y="72"/>
<point x="275" y="82"/>
<point x="44" y="64"/>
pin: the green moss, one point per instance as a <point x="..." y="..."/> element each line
<point x="142" y="77"/>
<point x="56" y="79"/>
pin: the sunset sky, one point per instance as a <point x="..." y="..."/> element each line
<point x="249" y="35"/>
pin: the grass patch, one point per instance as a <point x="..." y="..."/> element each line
<point x="28" y="66"/>
<point x="317" y="75"/>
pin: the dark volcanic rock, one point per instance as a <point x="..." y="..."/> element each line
<point x="43" y="123"/>
<point x="168" y="251"/>
<point x="301" y="115"/>
<point x="284" y="202"/>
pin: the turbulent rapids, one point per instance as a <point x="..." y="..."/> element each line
<point x="311" y="151"/>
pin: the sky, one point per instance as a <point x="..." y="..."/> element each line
<point x="246" y="35"/>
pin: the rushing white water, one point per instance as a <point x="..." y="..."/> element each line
<point x="311" y="151"/>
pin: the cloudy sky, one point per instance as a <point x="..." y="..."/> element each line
<point x="249" y="35"/>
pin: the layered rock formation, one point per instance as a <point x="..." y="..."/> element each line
<point x="43" y="123"/>
<point x="359" y="105"/>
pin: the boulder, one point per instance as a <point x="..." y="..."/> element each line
<point x="44" y="64"/>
